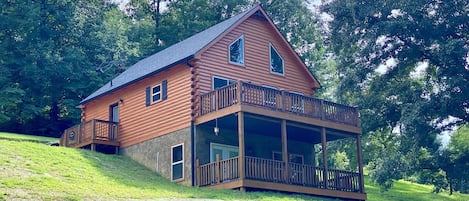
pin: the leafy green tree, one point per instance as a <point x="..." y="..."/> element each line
<point x="51" y="59"/>
<point x="405" y="64"/>
<point x="455" y="160"/>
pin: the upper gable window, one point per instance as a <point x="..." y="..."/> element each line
<point x="276" y="61"/>
<point x="236" y="51"/>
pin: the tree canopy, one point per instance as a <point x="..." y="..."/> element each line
<point x="405" y="64"/>
<point x="60" y="51"/>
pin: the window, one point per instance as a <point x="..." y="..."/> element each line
<point x="292" y="158"/>
<point x="219" y="82"/>
<point x="177" y="162"/>
<point x="225" y="151"/>
<point x="236" y="51"/>
<point x="156" y="93"/>
<point x="276" y="61"/>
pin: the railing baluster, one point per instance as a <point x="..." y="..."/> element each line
<point x="279" y="100"/>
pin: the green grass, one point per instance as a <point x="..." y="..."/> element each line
<point x="34" y="171"/>
<point x="33" y="138"/>
<point x="408" y="191"/>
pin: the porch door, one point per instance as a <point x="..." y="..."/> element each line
<point x="113" y="117"/>
<point x="224" y="99"/>
<point x="225" y="151"/>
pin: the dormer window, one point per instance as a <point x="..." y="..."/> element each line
<point x="236" y="51"/>
<point x="276" y="61"/>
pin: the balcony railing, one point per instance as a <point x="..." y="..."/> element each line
<point x="267" y="170"/>
<point x="277" y="100"/>
<point x="90" y="131"/>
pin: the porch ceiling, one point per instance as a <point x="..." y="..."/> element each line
<point x="271" y="127"/>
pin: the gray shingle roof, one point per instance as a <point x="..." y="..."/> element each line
<point x="179" y="52"/>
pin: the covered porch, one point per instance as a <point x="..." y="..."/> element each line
<point x="246" y="140"/>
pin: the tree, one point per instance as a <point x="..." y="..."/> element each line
<point x="405" y="64"/>
<point x="455" y="160"/>
<point x="51" y="57"/>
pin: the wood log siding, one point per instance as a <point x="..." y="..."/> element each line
<point x="268" y="170"/>
<point x="137" y="122"/>
<point x="88" y="131"/>
<point x="257" y="37"/>
<point x="277" y="100"/>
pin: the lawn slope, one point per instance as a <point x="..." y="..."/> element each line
<point x="34" y="171"/>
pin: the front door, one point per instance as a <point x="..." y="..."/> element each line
<point x="114" y="113"/>
<point x="113" y="117"/>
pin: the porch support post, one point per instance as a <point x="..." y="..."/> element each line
<point x="284" y="149"/>
<point x="360" y="164"/>
<point x="324" y="156"/>
<point x="241" y="148"/>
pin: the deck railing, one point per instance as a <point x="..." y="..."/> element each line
<point x="218" y="172"/>
<point x="268" y="170"/>
<point x="277" y="100"/>
<point x="88" y="131"/>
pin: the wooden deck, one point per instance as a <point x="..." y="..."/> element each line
<point x="92" y="133"/>
<point x="290" y="110"/>
<point x="277" y="102"/>
<point x="269" y="174"/>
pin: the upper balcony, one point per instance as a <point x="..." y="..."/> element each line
<point x="278" y="104"/>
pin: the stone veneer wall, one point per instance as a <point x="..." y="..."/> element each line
<point x="155" y="153"/>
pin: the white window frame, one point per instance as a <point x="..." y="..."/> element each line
<point x="157" y="93"/>
<point x="242" y="51"/>
<point x="228" y="81"/>
<point x="178" y="162"/>
<point x="271" y="46"/>
<point x="297" y="107"/>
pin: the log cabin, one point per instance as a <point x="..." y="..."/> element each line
<point x="231" y="107"/>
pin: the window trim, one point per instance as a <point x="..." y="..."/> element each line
<point x="178" y="162"/>
<point x="242" y="51"/>
<point x="290" y="156"/>
<point x="271" y="46"/>
<point x="221" y="78"/>
<point x="154" y="94"/>
<point x="225" y="147"/>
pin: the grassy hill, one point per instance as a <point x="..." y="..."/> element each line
<point x="34" y="171"/>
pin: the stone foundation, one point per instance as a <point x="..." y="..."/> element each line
<point x="155" y="153"/>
